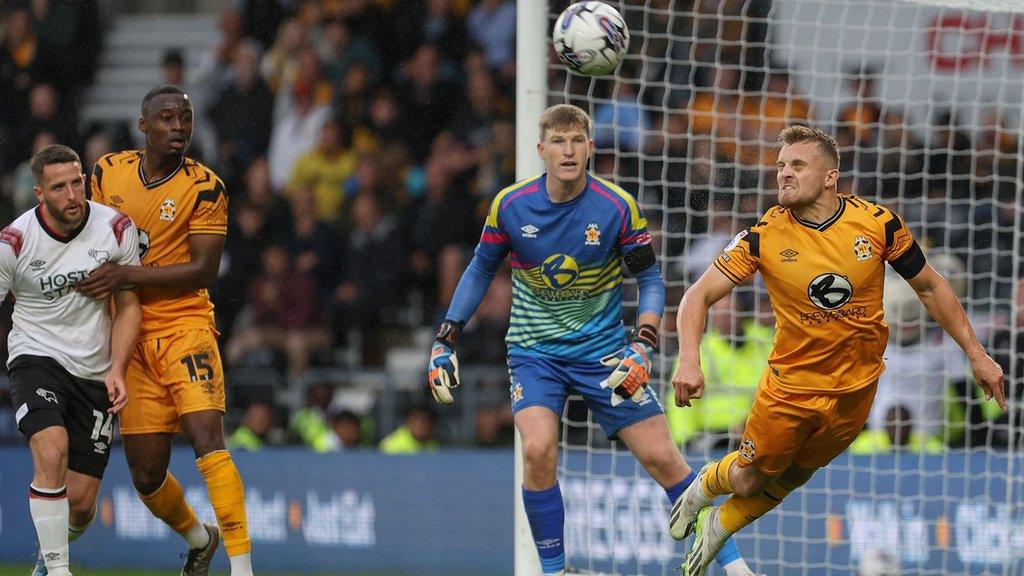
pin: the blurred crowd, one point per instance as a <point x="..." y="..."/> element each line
<point x="362" y="140"/>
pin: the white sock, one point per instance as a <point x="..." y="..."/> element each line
<point x="241" y="565"/>
<point x="50" y="513"/>
<point x="737" y="567"/>
<point x="197" y="537"/>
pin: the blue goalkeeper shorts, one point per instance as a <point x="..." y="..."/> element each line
<point x="548" y="382"/>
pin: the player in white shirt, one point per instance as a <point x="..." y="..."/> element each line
<point x="67" y="355"/>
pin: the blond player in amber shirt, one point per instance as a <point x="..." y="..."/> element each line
<point x="822" y="256"/>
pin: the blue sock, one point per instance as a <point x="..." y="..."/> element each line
<point x="729" y="551"/>
<point x="674" y="492"/>
<point x="546" y="513"/>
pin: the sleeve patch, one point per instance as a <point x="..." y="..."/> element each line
<point x="736" y="240"/>
<point x="13" y="238"/>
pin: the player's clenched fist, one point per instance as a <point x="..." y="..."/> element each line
<point x="443" y="367"/>
<point x="688" y="382"/>
<point x="632" y="366"/>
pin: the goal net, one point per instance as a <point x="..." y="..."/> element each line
<point x="925" y="100"/>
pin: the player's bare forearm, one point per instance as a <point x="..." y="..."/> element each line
<point x="125" y="330"/>
<point x="199" y="272"/>
<point x="942" y="303"/>
<point x="711" y="287"/>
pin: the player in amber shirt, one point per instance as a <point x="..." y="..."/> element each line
<point x="822" y="257"/>
<point x="175" y="378"/>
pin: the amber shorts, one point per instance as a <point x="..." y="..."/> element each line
<point x="171" y="376"/>
<point x="806" y="430"/>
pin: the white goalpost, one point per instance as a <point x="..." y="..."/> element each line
<point x="926" y="99"/>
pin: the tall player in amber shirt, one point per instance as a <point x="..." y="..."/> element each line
<point x="175" y="378"/>
<point x="822" y="257"/>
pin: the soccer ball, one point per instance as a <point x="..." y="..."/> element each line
<point x="590" y="38"/>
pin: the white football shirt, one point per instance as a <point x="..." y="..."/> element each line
<point x="41" y="268"/>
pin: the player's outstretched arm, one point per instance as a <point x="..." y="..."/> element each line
<point x="941" y="302"/>
<point x="199" y="272"/>
<point x="123" y="336"/>
<point x="711" y="287"/>
<point x="443" y="365"/>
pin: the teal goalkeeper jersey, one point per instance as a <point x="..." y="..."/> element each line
<point x="566" y="261"/>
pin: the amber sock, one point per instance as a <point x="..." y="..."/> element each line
<point x="227" y="496"/>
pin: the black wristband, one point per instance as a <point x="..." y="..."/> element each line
<point x="647" y="334"/>
<point x="448" y="332"/>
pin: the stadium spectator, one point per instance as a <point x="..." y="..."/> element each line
<point x="492" y="26"/>
<point x="621" y="123"/>
<point x="254" y="432"/>
<point x="348" y="428"/>
<point x="427" y="98"/>
<point x="286" y="314"/>
<point x="280" y="60"/>
<point x="324" y="169"/>
<point x="23" y="196"/>
<point x="368" y="290"/>
<point x="309" y="423"/>
<point x="494" y="427"/>
<point x="316" y="245"/>
<point x="296" y="133"/>
<point x="18" y="70"/>
<point x="415" y="435"/>
<point x="44" y="115"/>
<point x="343" y="47"/>
<point x="242" y="116"/>
<point x="900" y="433"/>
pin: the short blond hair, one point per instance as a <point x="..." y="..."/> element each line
<point x="565" y="116"/>
<point x="795" y="133"/>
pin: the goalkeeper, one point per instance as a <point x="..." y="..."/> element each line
<point x="569" y="234"/>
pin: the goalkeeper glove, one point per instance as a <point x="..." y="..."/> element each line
<point x="443" y="367"/>
<point x="632" y="366"/>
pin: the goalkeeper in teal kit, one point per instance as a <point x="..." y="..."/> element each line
<point x="568" y="235"/>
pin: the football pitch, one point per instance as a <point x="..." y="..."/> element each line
<point x="8" y="570"/>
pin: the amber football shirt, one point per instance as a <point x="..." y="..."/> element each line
<point x="189" y="200"/>
<point x="825" y="284"/>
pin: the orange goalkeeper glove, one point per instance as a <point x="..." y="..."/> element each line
<point x="443" y="367"/>
<point x="632" y="366"/>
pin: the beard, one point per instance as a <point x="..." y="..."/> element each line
<point x="63" y="218"/>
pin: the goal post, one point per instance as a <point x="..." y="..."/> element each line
<point x="531" y="101"/>
<point x="925" y="98"/>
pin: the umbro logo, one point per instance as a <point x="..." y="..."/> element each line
<point x="530" y="231"/>
<point x="37" y="265"/>
<point x="116" y="199"/>
<point x="788" y="255"/>
<point x="100" y="447"/>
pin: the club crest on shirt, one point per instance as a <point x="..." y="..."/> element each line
<point x="593" y="235"/>
<point x="748" y="450"/>
<point x="862" y="248"/>
<point x="100" y="256"/>
<point x="167" y="209"/>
